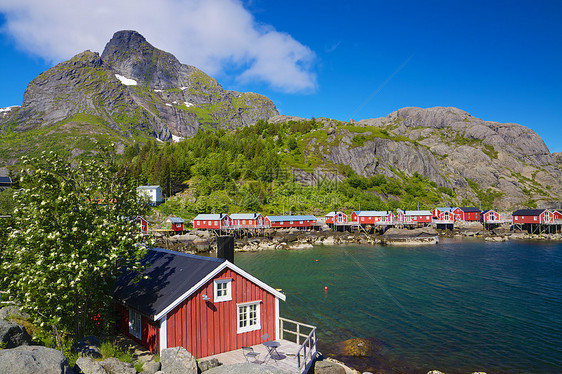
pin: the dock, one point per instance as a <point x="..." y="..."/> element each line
<point x="295" y="356"/>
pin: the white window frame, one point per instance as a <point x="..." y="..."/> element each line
<point x="135" y="323"/>
<point x="243" y="313"/>
<point x="228" y="295"/>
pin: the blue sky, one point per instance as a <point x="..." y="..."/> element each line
<point x="498" y="60"/>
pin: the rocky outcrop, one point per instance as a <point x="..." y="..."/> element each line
<point x="468" y="157"/>
<point x="178" y="361"/>
<point x="417" y="236"/>
<point x="12" y="311"/>
<point x="151" y="367"/>
<point x="205" y="365"/>
<point x="132" y="89"/>
<point x="13" y="335"/>
<point x="327" y="367"/>
<point x="87" y="365"/>
<point x="357" y="347"/>
<point x="114" y="366"/>
<point x="33" y="360"/>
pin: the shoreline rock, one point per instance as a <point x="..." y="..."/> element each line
<point x="202" y="241"/>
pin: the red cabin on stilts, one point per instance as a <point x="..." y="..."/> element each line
<point x="211" y="221"/>
<point x="467" y="214"/>
<point x="334" y="218"/>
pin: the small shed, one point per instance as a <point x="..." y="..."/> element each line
<point x="212" y="221"/>
<point x="177" y="223"/>
<point x="336" y="217"/>
<point x="152" y="193"/>
<point x="206" y="305"/>
<point x="247" y="220"/>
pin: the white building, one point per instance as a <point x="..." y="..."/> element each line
<point x="152" y="193"/>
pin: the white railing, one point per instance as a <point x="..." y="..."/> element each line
<point x="307" y="351"/>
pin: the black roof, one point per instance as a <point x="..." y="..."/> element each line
<point x="171" y="275"/>
<point x="469" y="209"/>
<point x="528" y="212"/>
<point x="5" y="181"/>
<point x="487" y="210"/>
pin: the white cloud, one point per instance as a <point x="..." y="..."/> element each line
<point x="214" y="35"/>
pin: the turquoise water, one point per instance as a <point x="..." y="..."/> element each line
<point x="458" y="307"/>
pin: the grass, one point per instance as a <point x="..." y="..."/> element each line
<point x="112" y="348"/>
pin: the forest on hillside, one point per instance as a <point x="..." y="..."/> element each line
<point x="265" y="167"/>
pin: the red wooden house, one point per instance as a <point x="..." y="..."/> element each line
<point x="557" y="215"/>
<point x="372" y="217"/>
<point x="412" y="217"/>
<point x="211" y="221"/>
<point x="467" y="214"/>
<point x="177" y="223"/>
<point x="443" y="215"/>
<point x="334" y="218"/>
<point x="206" y="305"/>
<point x="143" y="223"/>
<point x="247" y="220"/>
<point x="539" y="216"/>
<point x="490" y="216"/>
<point x="290" y="221"/>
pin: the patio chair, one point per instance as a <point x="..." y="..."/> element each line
<point x="250" y="353"/>
<point x="265" y="337"/>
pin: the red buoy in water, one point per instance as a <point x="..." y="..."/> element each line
<point x="326" y="289"/>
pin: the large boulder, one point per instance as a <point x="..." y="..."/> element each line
<point x="87" y="365"/>
<point x="113" y="366"/>
<point x="178" y="361"/>
<point x="151" y="367"/>
<point x="12" y="311"/>
<point x="33" y="360"/>
<point x="357" y="347"/>
<point x="328" y="367"/>
<point x="205" y="365"/>
<point x="13" y="335"/>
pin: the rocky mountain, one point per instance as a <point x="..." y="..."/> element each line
<point x="136" y="92"/>
<point x="133" y="90"/>
<point x="474" y="159"/>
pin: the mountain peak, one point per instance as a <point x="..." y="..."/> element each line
<point x="130" y="55"/>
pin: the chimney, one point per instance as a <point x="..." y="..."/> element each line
<point x="225" y="247"/>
